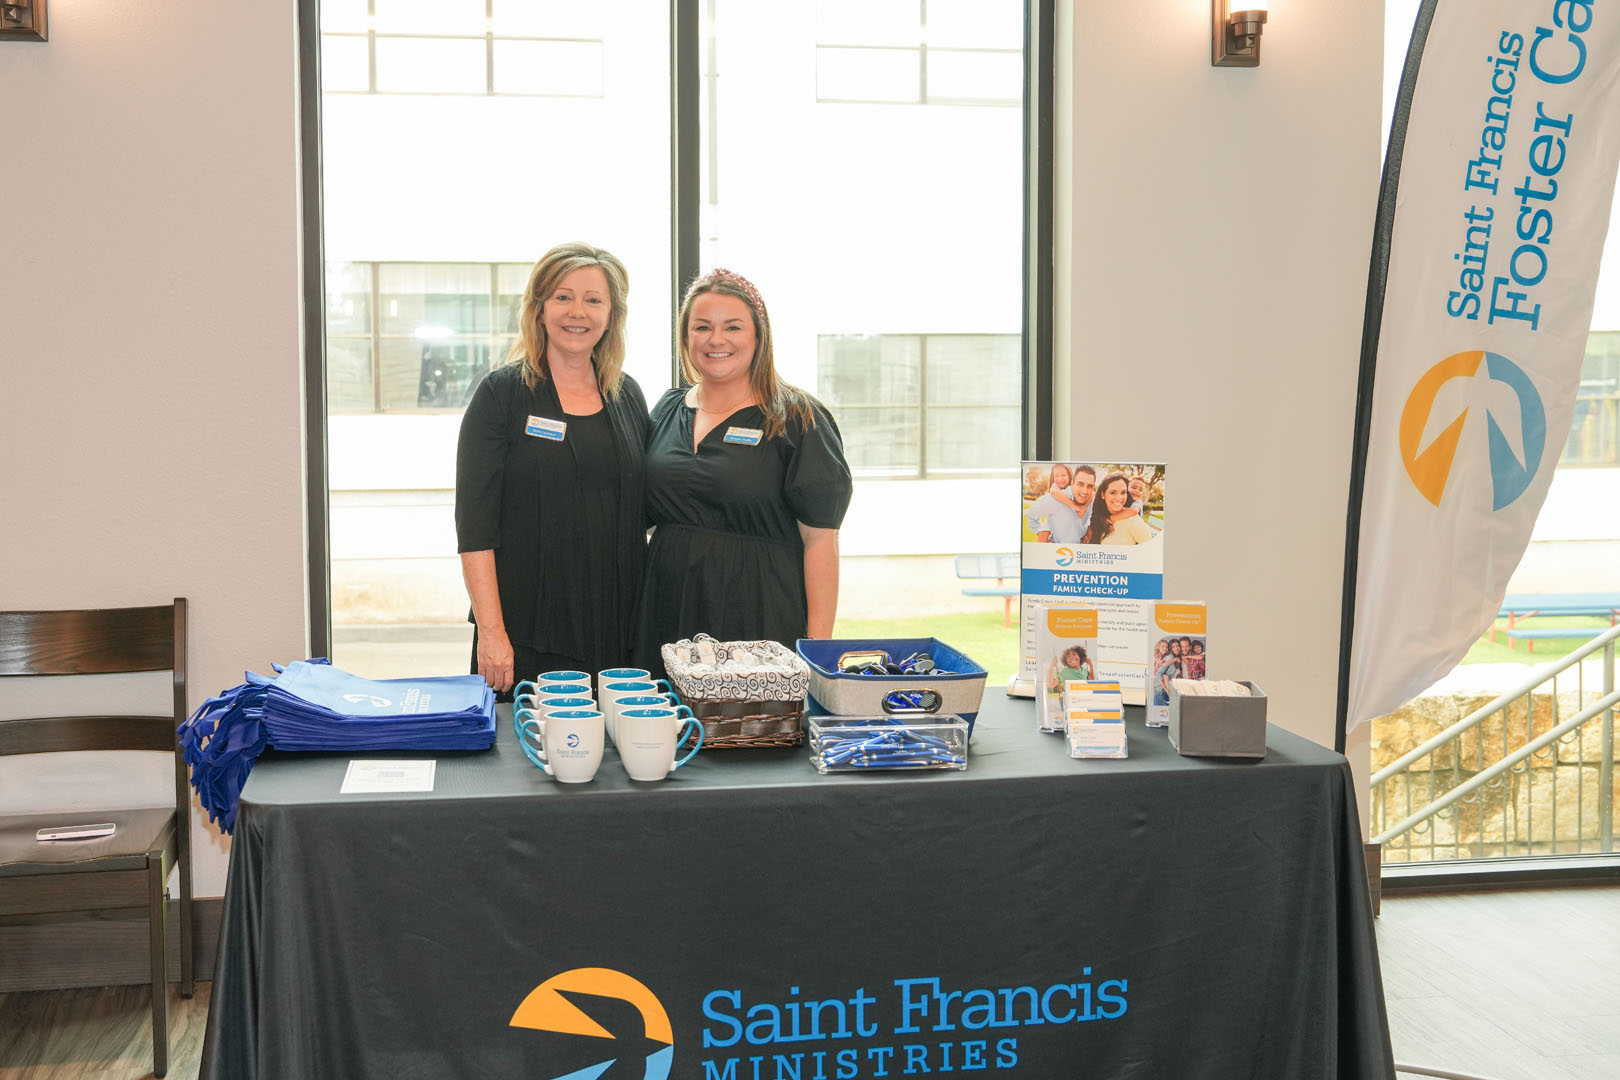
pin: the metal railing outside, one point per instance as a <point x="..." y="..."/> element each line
<point x="1530" y="773"/>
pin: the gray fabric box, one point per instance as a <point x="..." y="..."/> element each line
<point x="1219" y="726"/>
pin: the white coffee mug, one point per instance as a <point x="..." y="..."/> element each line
<point x="567" y="744"/>
<point x="536" y="694"/>
<point x="564" y="677"/>
<point x="649" y="737"/>
<point x="618" y="674"/>
<point x="610" y="692"/>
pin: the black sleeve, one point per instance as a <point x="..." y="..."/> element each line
<point x="480" y="466"/>
<point x="818" y="485"/>
<point x="636" y="406"/>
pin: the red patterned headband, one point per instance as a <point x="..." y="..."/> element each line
<point x="720" y="273"/>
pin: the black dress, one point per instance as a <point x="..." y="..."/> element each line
<point x="564" y="517"/>
<point x="726" y="558"/>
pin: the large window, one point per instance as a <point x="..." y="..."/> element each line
<point x="433" y="329"/>
<point x="1477" y="793"/>
<point x="1594" y="435"/>
<point x="924" y="404"/>
<point x="881" y="216"/>
<point x="923" y="52"/>
<point x="461" y="47"/>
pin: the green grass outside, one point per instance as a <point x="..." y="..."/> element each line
<point x="980" y="636"/>
<point x="1485" y="652"/>
<point x="995" y="647"/>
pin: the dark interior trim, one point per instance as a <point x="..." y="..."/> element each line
<point x="685" y="155"/>
<point x="318" y="540"/>
<point x="1372" y="321"/>
<point x="1039" y="81"/>
<point x="1415" y="879"/>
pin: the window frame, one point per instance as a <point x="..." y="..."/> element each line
<point x="686" y="74"/>
<point x="922" y="408"/>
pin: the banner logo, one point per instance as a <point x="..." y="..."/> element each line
<point x="1430" y="467"/>
<point x="547" y="1009"/>
<point x="1064" y="556"/>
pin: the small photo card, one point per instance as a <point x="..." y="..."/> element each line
<point x="373" y="777"/>
<point x="1095" y="713"/>
<point x="1177" y="650"/>
<point x="1065" y="645"/>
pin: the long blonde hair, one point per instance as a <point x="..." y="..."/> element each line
<point x="778" y="399"/>
<point x="530" y="348"/>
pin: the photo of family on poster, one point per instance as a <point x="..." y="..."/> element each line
<point x="1092" y="504"/>
<point x="1176" y="657"/>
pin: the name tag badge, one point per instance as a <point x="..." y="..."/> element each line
<point x="541" y="428"/>
<point x="747" y="436"/>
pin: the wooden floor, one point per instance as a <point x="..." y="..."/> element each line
<point x="105" y="1034"/>
<point x="1509" y="985"/>
<point x="1506" y="985"/>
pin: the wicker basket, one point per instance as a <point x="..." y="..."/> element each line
<point x="742" y="710"/>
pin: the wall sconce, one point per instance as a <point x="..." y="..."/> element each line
<point x="1235" y="34"/>
<point x="22" y="20"/>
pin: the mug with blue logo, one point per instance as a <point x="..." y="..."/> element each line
<point x="545" y="706"/>
<point x="567" y="744"/>
<point x="651" y="735"/>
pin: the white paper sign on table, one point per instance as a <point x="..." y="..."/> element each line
<point x="371" y="777"/>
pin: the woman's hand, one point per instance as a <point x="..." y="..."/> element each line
<point x="495" y="660"/>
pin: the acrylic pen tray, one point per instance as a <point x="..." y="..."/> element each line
<point x="872" y="743"/>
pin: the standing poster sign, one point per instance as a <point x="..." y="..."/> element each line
<point x="1504" y="150"/>
<point x="1093" y="531"/>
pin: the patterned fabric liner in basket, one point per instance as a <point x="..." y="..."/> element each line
<point x="741" y="709"/>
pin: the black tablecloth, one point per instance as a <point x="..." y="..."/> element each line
<point x="1157" y="917"/>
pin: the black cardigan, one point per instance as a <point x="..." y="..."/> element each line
<point x="498" y="497"/>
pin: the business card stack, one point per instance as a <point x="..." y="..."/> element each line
<point x="1095" y="714"/>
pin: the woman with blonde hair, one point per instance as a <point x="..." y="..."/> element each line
<point x="550" y="516"/>
<point x="746" y="485"/>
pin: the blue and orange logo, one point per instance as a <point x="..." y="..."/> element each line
<point x="1430" y="467"/>
<point x="546" y="1009"/>
<point x="1065" y="556"/>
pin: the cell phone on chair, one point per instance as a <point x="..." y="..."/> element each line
<point x="76" y="832"/>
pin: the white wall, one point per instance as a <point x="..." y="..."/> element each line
<point x="149" y="346"/>
<point x="1215" y="253"/>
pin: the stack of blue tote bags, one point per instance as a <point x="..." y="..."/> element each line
<point x="311" y="705"/>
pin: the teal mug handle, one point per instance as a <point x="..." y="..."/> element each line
<point x="680" y="737"/>
<point x="518" y="721"/>
<point x="518" y="689"/>
<point x="675" y="699"/>
<point x="534" y="728"/>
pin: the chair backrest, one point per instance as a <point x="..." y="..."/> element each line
<point x="96" y="642"/>
<point x="1009" y="566"/>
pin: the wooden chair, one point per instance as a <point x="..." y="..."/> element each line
<point x="48" y="882"/>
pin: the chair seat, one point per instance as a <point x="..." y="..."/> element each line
<point x="139" y="832"/>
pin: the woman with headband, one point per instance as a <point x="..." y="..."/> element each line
<point x="550" y="521"/>
<point x="746" y="486"/>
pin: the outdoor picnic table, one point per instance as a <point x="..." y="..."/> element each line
<point x="1526" y="605"/>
